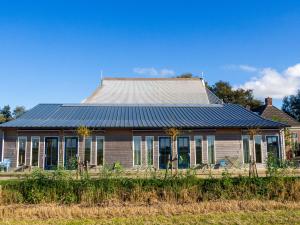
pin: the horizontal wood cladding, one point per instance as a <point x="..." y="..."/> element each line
<point x="118" y="144"/>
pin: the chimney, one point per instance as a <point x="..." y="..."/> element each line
<point x="268" y="101"/>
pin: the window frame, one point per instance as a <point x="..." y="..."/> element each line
<point x="91" y="151"/>
<point x="278" y="144"/>
<point x="198" y="137"/>
<point x="58" y="150"/>
<point x="248" y="136"/>
<point x="146" y="145"/>
<point x="18" y="149"/>
<point x="261" y="148"/>
<point x="96" y="150"/>
<point x="133" y="150"/>
<point x="39" y="150"/>
<point x="214" y="142"/>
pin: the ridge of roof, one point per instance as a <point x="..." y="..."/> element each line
<point x="153" y="78"/>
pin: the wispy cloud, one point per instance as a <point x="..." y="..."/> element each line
<point x="245" y="68"/>
<point x="270" y="82"/>
<point x="153" y="71"/>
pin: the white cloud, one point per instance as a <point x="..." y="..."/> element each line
<point x="245" y="68"/>
<point x="153" y="72"/>
<point x="270" y="82"/>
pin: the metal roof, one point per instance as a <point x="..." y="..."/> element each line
<point x="149" y="91"/>
<point x="130" y="116"/>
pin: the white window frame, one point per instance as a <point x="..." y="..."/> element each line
<point x="177" y="149"/>
<point x="2" y="153"/>
<point x="64" y="148"/>
<point x="96" y="150"/>
<point x="248" y="136"/>
<point x="134" y="149"/>
<point x="278" y="144"/>
<point x="215" y="155"/>
<point x="18" y="145"/>
<point x="31" y="145"/>
<point x="158" y="150"/>
<point x="198" y="137"/>
<point x="91" y="153"/>
<point x="261" y="144"/>
<point x="58" y="150"/>
<point x="146" y="145"/>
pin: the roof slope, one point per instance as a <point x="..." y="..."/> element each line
<point x="107" y="116"/>
<point x="153" y="91"/>
<point x="272" y="113"/>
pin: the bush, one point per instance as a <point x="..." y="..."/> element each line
<point x="61" y="187"/>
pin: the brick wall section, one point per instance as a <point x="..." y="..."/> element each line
<point x="118" y="144"/>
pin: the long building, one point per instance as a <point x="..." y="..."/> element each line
<point x="129" y="119"/>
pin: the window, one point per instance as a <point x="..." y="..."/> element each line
<point x="150" y="145"/>
<point x="35" y="149"/>
<point x="51" y="153"/>
<point x="273" y="146"/>
<point x="183" y="152"/>
<point x="100" y="151"/>
<point x="258" y="148"/>
<point x="137" y="156"/>
<point x="198" y="146"/>
<point x="211" y="149"/>
<point x="246" y="148"/>
<point x="165" y="152"/>
<point x="71" y="151"/>
<point x="295" y="145"/>
<point x="87" y="150"/>
<point x="21" y="150"/>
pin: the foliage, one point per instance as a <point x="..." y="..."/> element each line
<point x="186" y="75"/>
<point x="83" y="131"/>
<point x="291" y="105"/>
<point x="18" y="111"/>
<point x="278" y="167"/>
<point x="61" y="187"/>
<point x="236" y="96"/>
<point x="6" y="114"/>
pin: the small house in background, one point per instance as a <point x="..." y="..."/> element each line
<point x="128" y="118"/>
<point x="269" y="111"/>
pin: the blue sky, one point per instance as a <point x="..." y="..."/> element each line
<point x="53" y="51"/>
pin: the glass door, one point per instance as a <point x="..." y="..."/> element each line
<point x="71" y="151"/>
<point x="183" y="149"/>
<point x="165" y="152"/>
<point x="51" y="153"/>
<point x="273" y="146"/>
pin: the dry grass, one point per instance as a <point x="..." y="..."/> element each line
<point x="49" y="211"/>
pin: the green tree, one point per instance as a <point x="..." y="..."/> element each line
<point x="186" y="75"/>
<point x="6" y="113"/>
<point x="236" y="96"/>
<point x="291" y="105"/>
<point x="18" y="111"/>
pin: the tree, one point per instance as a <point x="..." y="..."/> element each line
<point x="6" y="113"/>
<point x="239" y="96"/>
<point x="291" y="105"/>
<point x="18" y="111"/>
<point x="173" y="133"/>
<point x="186" y="75"/>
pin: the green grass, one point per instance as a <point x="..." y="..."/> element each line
<point x="266" y="217"/>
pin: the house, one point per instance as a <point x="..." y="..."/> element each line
<point x="128" y="119"/>
<point x="269" y="111"/>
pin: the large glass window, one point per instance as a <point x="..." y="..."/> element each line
<point x="183" y="149"/>
<point x="100" y="151"/>
<point x="87" y="150"/>
<point x="165" y="152"/>
<point x="246" y="148"/>
<point x="71" y="151"/>
<point x="273" y="146"/>
<point x="150" y="145"/>
<point x="35" y="149"/>
<point x="137" y="141"/>
<point x="295" y="144"/>
<point x="198" y="146"/>
<point x="258" y="149"/>
<point x="22" y="151"/>
<point x="51" y="153"/>
<point x="211" y="149"/>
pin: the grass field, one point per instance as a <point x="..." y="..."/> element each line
<point x="225" y="212"/>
